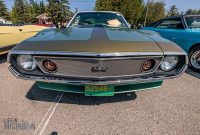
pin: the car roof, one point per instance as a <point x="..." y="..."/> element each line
<point x="173" y="17"/>
<point x="114" y="12"/>
<point x="179" y="16"/>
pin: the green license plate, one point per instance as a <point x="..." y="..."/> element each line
<point x="99" y="90"/>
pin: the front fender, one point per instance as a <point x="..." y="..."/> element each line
<point x="150" y="32"/>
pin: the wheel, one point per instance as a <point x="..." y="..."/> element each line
<point x="194" y="59"/>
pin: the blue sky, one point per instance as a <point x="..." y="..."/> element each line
<point x="80" y="4"/>
<point x="183" y="5"/>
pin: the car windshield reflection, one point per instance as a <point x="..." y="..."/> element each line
<point x="103" y="19"/>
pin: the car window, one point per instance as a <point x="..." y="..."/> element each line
<point x="174" y="23"/>
<point x="153" y="23"/>
<point x="108" y="19"/>
<point x="193" y="21"/>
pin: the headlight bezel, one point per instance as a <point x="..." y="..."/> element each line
<point x="26" y="56"/>
<point x="173" y="58"/>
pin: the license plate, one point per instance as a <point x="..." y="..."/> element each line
<point x="99" y="90"/>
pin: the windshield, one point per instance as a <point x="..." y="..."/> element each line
<point x="193" y="21"/>
<point x="105" y="19"/>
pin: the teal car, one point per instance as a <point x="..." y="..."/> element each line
<point x="184" y="31"/>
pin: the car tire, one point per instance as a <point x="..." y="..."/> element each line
<point x="194" y="59"/>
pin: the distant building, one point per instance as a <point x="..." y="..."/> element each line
<point x="44" y="19"/>
<point x="4" y="21"/>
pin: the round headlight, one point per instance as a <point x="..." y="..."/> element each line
<point x="169" y="63"/>
<point x="26" y="62"/>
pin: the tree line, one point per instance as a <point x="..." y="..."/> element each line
<point x="28" y="10"/>
<point x="135" y="11"/>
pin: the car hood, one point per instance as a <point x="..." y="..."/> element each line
<point x="93" y="40"/>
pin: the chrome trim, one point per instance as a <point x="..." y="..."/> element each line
<point x="34" y="61"/>
<point x="175" y="53"/>
<point x="9" y="56"/>
<point x="54" y="59"/>
<point x="68" y="25"/>
<point x="88" y="54"/>
<point x="184" y="22"/>
<point x="81" y="82"/>
<point x="91" y="54"/>
<point x="186" y="59"/>
<point x="114" y="12"/>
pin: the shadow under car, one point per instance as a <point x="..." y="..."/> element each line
<point x="193" y="73"/>
<point x="37" y="94"/>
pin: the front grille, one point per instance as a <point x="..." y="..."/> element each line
<point x="97" y="67"/>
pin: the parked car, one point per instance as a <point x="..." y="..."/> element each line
<point x="98" y="54"/>
<point x="184" y="31"/>
<point x="11" y="35"/>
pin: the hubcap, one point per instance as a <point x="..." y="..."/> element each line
<point x="195" y="59"/>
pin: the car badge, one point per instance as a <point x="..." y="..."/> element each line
<point x="99" y="69"/>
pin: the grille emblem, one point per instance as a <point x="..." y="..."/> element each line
<point x="99" y="69"/>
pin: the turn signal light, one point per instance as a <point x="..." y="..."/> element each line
<point x="148" y="65"/>
<point x="49" y="65"/>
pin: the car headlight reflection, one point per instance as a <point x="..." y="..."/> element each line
<point x="169" y="63"/>
<point x="26" y="62"/>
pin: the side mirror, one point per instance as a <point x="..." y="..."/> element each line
<point x="140" y="26"/>
<point x="133" y="26"/>
<point x="63" y="27"/>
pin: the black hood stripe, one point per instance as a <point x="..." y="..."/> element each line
<point x="99" y="33"/>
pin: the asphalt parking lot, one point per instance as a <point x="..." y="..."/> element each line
<point x="172" y="109"/>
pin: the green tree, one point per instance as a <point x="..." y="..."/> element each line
<point x="192" y="12"/>
<point x="21" y="11"/>
<point x="36" y="9"/>
<point x="189" y="12"/>
<point x="182" y="13"/>
<point x="156" y="11"/>
<point x="198" y="12"/>
<point x="3" y="10"/>
<point x="76" y="10"/>
<point x="42" y="8"/>
<point x="131" y="9"/>
<point x="58" y="10"/>
<point x="27" y="12"/>
<point x="173" y="11"/>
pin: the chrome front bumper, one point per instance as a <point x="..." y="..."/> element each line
<point x="93" y="82"/>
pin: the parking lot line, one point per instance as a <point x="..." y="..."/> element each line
<point x="44" y="122"/>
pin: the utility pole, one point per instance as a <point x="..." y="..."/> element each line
<point x="147" y="10"/>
